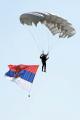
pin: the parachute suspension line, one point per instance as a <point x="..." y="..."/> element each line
<point x="29" y="91"/>
<point x="49" y="42"/>
<point x="53" y="49"/>
<point x="35" y="41"/>
<point x="48" y="47"/>
<point x="38" y="38"/>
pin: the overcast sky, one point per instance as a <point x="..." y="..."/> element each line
<point x="55" y="94"/>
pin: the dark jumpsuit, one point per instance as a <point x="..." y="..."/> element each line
<point x="43" y="58"/>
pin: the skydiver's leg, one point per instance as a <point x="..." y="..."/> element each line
<point x="42" y="67"/>
<point x="45" y="67"/>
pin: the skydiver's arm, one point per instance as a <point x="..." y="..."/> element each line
<point x="41" y="55"/>
<point x="47" y="58"/>
<point x="47" y="54"/>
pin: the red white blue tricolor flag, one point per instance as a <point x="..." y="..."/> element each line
<point x="26" y="73"/>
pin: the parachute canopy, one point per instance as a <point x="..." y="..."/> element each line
<point x="56" y="24"/>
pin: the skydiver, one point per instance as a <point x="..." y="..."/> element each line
<point x="44" y="58"/>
